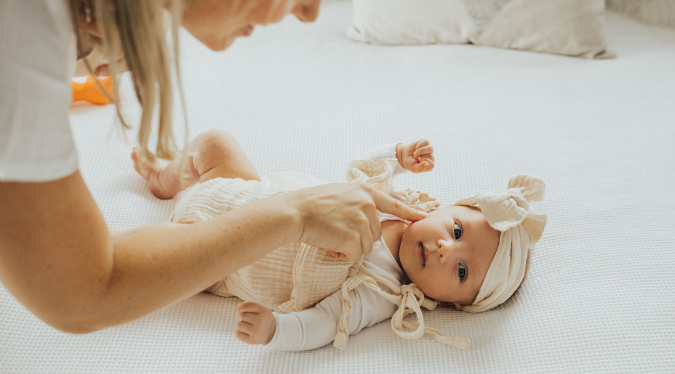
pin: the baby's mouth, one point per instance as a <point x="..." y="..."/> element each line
<point x="421" y="254"/>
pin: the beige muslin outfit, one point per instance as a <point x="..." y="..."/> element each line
<point x="296" y="276"/>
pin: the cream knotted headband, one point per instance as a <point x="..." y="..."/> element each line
<point x="508" y="213"/>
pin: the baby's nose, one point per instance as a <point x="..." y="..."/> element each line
<point x="443" y="249"/>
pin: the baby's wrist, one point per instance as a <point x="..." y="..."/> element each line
<point x="399" y="153"/>
<point x="273" y="330"/>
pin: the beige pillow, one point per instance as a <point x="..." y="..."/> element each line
<point x="567" y="27"/>
<point x="657" y="12"/>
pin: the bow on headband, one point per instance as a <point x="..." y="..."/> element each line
<point x="508" y="212"/>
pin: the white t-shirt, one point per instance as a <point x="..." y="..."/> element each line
<point x="37" y="62"/>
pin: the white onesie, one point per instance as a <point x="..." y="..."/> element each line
<point x="315" y="327"/>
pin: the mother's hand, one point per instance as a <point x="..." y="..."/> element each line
<point x="343" y="217"/>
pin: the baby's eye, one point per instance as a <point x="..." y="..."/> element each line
<point x="462" y="271"/>
<point x="457" y="231"/>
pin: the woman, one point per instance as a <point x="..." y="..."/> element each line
<point x="56" y="255"/>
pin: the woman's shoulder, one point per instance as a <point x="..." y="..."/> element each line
<point x="38" y="33"/>
<point x="34" y="16"/>
<point x="37" y="62"/>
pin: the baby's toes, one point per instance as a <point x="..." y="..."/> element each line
<point x="138" y="161"/>
<point x="146" y="169"/>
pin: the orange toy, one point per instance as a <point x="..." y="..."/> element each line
<point x="89" y="91"/>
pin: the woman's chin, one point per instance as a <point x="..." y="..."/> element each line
<point x="225" y="42"/>
<point x="221" y="44"/>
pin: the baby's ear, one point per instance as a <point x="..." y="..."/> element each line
<point x="445" y="304"/>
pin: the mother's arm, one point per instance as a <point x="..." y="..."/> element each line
<point x="58" y="260"/>
<point x="119" y="234"/>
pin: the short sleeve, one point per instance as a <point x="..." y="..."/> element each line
<point x="37" y="62"/>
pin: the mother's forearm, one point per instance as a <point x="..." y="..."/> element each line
<point x="119" y="234"/>
<point x="58" y="259"/>
<point x="154" y="268"/>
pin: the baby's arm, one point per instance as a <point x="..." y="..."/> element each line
<point x="416" y="157"/>
<point x="316" y="327"/>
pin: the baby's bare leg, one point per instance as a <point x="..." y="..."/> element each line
<point x="217" y="154"/>
<point x="212" y="154"/>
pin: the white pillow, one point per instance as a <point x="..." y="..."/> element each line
<point x="408" y="22"/>
<point x="568" y="27"/>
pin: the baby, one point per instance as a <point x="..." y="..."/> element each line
<point x="469" y="256"/>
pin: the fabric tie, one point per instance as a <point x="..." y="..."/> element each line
<point x="408" y="297"/>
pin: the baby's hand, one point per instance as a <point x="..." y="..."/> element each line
<point x="416" y="157"/>
<point x="257" y="325"/>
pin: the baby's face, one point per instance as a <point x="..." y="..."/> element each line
<point x="448" y="254"/>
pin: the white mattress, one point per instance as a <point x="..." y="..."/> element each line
<point x="600" y="293"/>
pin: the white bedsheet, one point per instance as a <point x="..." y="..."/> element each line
<point x="600" y="293"/>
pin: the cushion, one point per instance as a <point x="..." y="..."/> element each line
<point x="657" y="12"/>
<point x="566" y="27"/>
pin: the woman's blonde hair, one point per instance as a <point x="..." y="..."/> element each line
<point x="137" y="28"/>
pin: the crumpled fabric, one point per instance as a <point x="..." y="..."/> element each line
<point x="408" y="297"/>
<point x="380" y="175"/>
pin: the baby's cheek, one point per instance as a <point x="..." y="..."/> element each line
<point x="432" y="287"/>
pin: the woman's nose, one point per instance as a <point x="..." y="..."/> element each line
<point x="307" y="10"/>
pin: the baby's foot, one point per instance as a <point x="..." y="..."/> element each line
<point x="154" y="174"/>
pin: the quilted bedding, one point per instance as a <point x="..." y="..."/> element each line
<point x="600" y="293"/>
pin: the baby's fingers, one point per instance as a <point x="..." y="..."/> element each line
<point x="419" y="167"/>
<point x="246" y="333"/>
<point x="423" y="151"/>
<point x="246" y="328"/>
<point x="249" y="307"/>
<point x="421" y="143"/>
<point x="243" y="337"/>
<point x="428" y="163"/>
<point x="253" y="333"/>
